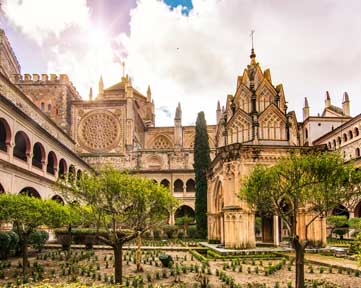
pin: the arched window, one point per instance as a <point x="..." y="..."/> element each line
<point x="165" y="183"/>
<point x="79" y="174"/>
<point x="306" y="133"/>
<point x="49" y="107"/>
<point x="42" y="106"/>
<point x="190" y="186"/>
<point x="30" y="191"/>
<point x="178" y="186"/>
<point x="339" y="140"/>
<point x="350" y="135"/>
<point x="357" y="152"/>
<point x="5" y="135"/>
<point x="357" y="132"/>
<point x="72" y="173"/>
<point x="62" y="169"/>
<point x="329" y="145"/>
<point x="22" y="146"/>
<point x="38" y="155"/>
<point x="334" y="143"/>
<point x="344" y="137"/>
<point x="52" y="163"/>
<point x="58" y="199"/>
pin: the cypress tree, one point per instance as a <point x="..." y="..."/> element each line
<point x="202" y="162"/>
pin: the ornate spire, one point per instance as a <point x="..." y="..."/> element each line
<point x="149" y="94"/>
<point x="178" y="112"/>
<point x="101" y="85"/>
<point x="91" y="94"/>
<point x="328" y="100"/>
<point x="306" y="103"/>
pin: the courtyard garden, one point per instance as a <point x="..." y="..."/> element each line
<point x="191" y="266"/>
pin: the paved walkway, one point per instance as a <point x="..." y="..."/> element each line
<point x="105" y="247"/>
<point x="331" y="260"/>
<point x="224" y="251"/>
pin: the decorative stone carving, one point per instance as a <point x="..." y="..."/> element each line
<point x="99" y="131"/>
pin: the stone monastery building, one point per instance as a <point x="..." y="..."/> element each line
<point x="47" y="131"/>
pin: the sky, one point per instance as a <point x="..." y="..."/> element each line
<point x="191" y="51"/>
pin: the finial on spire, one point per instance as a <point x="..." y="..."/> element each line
<point x="253" y="55"/>
<point x="328" y="100"/>
<point x="91" y="94"/>
<point x="149" y="94"/>
<point x="306" y="102"/>
<point x="123" y="65"/>
<point x="178" y="112"/>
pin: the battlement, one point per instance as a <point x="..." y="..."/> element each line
<point x="45" y="79"/>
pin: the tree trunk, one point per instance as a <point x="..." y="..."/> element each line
<point x="139" y="253"/>
<point x="118" y="258"/>
<point x="300" y="257"/>
<point x="24" y="252"/>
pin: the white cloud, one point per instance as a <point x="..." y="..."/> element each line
<point x="41" y="19"/>
<point x="195" y="59"/>
<point x="310" y="46"/>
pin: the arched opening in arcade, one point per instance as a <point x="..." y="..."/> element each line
<point x="341" y="210"/>
<point x="62" y="169"/>
<point x="5" y="135"/>
<point x="184" y="216"/>
<point x="30" y="191"/>
<point x="72" y="173"/>
<point x="52" y="165"/>
<point x="38" y="155"/>
<point x="342" y="228"/>
<point x="2" y="190"/>
<point x="190" y="186"/>
<point x="165" y="183"/>
<point x="22" y="146"/>
<point x="178" y="185"/>
<point x="357" y="211"/>
<point x="58" y="199"/>
<point x="79" y="174"/>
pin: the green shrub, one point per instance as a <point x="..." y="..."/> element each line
<point x="192" y="231"/>
<point x="170" y="231"/>
<point x="38" y="239"/>
<point x="5" y="241"/>
<point x="156" y="234"/>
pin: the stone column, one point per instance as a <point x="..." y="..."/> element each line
<point x="276" y="230"/>
<point x="171" y="218"/>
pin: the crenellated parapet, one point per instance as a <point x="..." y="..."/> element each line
<point x="47" y="79"/>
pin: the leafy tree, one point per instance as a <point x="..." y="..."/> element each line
<point x="313" y="182"/>
<point x="339" y="224"/>
<point x="202" y="162"/>
<point x="123" y="206"/>
<point x="27" y="213"/>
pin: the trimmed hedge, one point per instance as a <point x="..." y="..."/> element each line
<point x="38" y="238"/>
<point x="9" y="241"/>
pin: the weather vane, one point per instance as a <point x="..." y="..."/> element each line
<point x="251" y="35"/>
